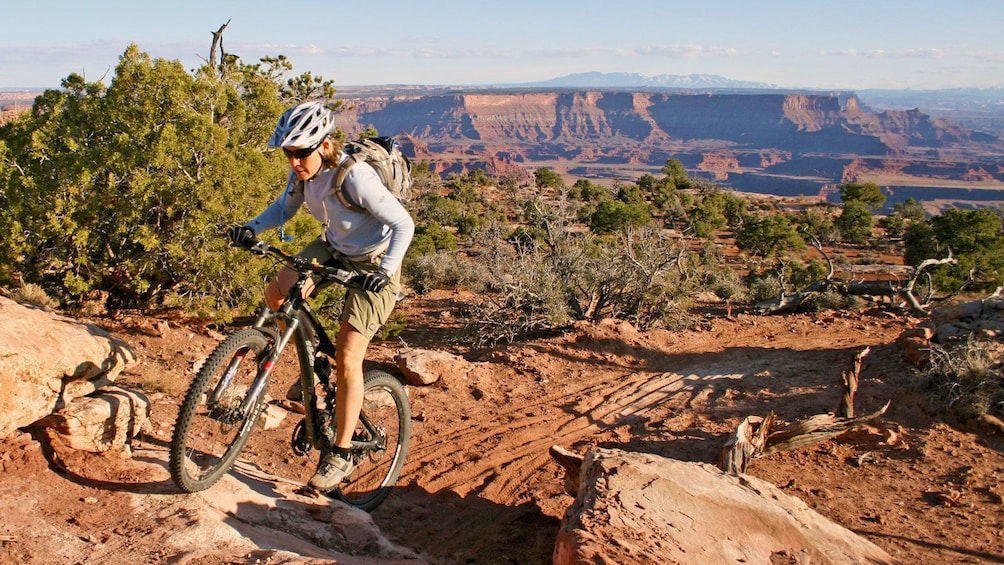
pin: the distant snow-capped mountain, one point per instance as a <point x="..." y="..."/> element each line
<point x="635" y="80"/>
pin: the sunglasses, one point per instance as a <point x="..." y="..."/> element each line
<point x="300" y="153"/>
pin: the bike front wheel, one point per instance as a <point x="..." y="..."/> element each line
<point x="217" y="415"/>
<point x="381" y="439"/>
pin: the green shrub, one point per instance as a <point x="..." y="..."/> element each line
<point x="31" y="293"/>
<point x="442" y="270"/>
<point x="127" y="189"/>
<point x="531" y="286"/>
<point x="830" y="300"/>
<point x="763" y="289"/>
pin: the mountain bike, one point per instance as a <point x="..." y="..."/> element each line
<point x="228" y="396"/>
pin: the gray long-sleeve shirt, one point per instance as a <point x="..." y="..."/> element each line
<point x="383" y="223"/>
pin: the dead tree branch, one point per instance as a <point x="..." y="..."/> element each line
<point x="814" y="429"/>
<point x="790" y="302"/>
<point x="907" y="291"/>
<point x="218" y="44"/>
<point x="745" y="444"/>
<point x="819" y="247"/>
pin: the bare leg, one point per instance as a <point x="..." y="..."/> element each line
<point x="351" y="347"/>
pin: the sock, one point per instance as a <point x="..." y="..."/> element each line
<point x="342" y="452"/>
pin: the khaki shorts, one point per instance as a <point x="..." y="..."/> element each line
<point x="365" y="311"/>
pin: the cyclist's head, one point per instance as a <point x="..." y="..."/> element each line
<point x="304" y="125"/>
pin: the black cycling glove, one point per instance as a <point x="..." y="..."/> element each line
<point x="375" y="281"/>
<point x="241" y="235"/>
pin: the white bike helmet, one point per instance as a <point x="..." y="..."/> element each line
<point x="304" y="125"/>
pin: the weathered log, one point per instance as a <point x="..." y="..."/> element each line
<point x="889" y="288"/>
<point x="873" y="288"/>
<point x="814" y="429"/>
<point x="745" y="445"/>
<point x="791" y="301"/>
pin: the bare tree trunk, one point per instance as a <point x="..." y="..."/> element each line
<point x="846" y="409"/>
<point x="745" y="445"/>
<point x="218" y="43"/>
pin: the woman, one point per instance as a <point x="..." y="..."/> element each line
<point x="371" y="241"/>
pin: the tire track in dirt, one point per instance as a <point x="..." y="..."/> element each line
<point x="500" y="450"/>
<point x="517" y="445"/>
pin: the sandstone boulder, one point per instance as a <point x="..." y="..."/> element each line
<point x="423" y="366"/>
<point x="47" y="360"/>
<point x="106" y="420"/>
<point x="642" y="508"/>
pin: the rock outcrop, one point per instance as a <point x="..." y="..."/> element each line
<point x="642" y="508"/>
<point x="425" y="366"/>
<point x="56" y="375"/>
<point x="47" y="360"/>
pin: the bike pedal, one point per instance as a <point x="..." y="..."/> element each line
<point x="299" y="441"/>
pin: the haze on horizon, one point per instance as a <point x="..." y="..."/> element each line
<point x="894" y="44"/>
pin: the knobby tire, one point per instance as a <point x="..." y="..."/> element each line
<point x="207" y="439"/>
<point x="385" y="404"/>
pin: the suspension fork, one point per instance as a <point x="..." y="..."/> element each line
<point x="268" y="364"/>
<point x="264" y="315"/>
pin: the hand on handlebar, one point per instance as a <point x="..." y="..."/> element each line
<point x="242" y="236"/>
<point x="373" y="282"/>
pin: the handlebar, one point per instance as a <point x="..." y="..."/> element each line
<point x="302" y="265"/>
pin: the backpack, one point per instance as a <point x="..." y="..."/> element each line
<point x="384" y="155"/>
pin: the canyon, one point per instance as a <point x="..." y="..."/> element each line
<point x="782" y="143"/>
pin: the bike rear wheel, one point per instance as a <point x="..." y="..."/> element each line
<point x="212" y="428"/>
<point x="385" y="424"/>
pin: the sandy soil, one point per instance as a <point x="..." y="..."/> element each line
<point x="479" y="486"/>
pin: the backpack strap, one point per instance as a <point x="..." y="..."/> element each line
<point x="343" y="170"/>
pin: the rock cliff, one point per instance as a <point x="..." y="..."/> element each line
<point x="825" y="138"/>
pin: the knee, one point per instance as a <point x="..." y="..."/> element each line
<point x="273" y="295"/>
<point x="351" y="346"/>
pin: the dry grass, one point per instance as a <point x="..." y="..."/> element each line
<point x="31" y="293"/>
<point x="967" y="378"/>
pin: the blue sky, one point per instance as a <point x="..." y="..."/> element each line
<point x="847" y="44"/>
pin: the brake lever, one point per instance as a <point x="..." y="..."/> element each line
<point x="340" y="275"/>
<point x="259" y="248"/>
